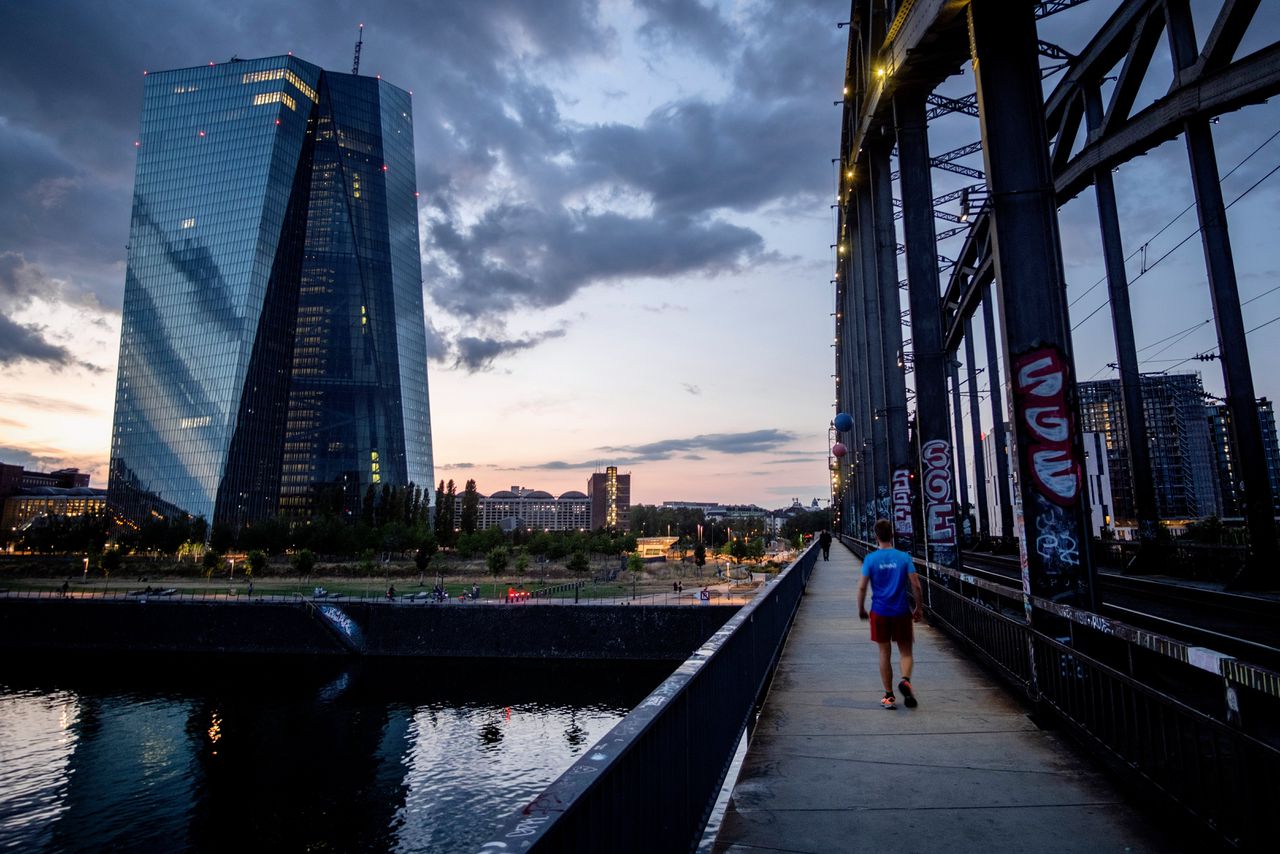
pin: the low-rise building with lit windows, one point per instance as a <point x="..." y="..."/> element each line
<point x="532" y="509"/>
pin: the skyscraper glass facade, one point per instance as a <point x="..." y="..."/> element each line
<point x="272" y="348"/>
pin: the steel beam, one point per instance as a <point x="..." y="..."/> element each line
<point x="957" y="425"/>
<point x="975" y="430"/>
<point x="1052" y="501"/>
<point x="1233" y="350"/>
<point x="1144" y="488"/>
<point x="998" y="425"/>
<point x="936" y="479"/>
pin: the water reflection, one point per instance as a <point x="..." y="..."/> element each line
<point x="170" y="754"/>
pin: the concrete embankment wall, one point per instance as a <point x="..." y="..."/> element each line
<point x="581" y="632"/>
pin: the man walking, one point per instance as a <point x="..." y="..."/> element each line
<point x="889" y="571"/>
<point x="824" y="542"/>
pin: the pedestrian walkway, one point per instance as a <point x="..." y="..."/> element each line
<point x="828" y="770"/>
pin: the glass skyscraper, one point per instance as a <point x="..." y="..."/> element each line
<point x="272" y="347"/>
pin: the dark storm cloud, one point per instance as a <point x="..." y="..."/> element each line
<point x="519" y="255"/>
<point x="695" y="156"/>
<point x="689" y="23"/>
<point x="477" y="354"/>
<point x="21" y="284"/>
<point x="751" y="442"/>
<point x="26" y="343"/>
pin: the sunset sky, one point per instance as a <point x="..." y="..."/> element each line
<point x="625" y="224"/>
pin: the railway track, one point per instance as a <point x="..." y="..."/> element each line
<point x="1246" y="627"/>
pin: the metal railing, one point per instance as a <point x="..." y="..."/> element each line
<point x="651" y="782"/>
<point x="1214" y="771"/>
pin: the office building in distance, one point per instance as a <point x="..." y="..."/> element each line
<point x="610" y="495"/>
<point x="1182" y="460"/>
<point x="272" y="346"/>
<point x="1229" y="483"/>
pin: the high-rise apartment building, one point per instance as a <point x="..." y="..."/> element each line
<point x="272" y="347"/>
<point x="610" y="495"/>
<point x="1182" y="461"/>
<point x="1219" y="419"/>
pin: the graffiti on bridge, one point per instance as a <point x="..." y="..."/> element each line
<point x="939" y="507"/>
<point x="902" y="528"/>
<point x="1053" y="525"/>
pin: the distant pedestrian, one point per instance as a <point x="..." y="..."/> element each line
<point x="250" y="588"/>
<point x="890" y="573"/>
<point x="65" y="587"/>
<point x="825" y="543"/>
<point x="391" y="592"/>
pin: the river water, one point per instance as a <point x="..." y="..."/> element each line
<point x="196" y="753"/>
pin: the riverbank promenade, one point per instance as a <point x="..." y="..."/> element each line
<point x="829" y="770"/>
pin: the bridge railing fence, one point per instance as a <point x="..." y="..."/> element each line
<point x="651" y="782"/>
<point x="1225" y="777"/>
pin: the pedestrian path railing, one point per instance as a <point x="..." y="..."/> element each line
<point x="1210" y="750"/>
<point x="650" y="784"/>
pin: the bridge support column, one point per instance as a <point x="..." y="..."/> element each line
<point x="1051" y="499"/>
<point x="1233" y="351"/>
<point x="937" y="490"/>
<point x="895" y="387"/>
<point x="997" y="415"/>
<point x="875" y="365"/>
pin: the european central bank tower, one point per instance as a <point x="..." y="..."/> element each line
<point x="272" y="348"/>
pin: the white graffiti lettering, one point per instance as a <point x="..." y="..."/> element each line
<point x="902" y="502"/>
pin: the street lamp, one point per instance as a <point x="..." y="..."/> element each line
<point x="86" y="569"/>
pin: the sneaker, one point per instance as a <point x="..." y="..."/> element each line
<point x="888" y="701"/>
<point x="908" y="696"/>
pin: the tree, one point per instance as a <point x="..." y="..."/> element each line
<point x="578" y="562"/>
<point x="522" y="561"/>
<point x="257" y="562"/>
<point x="211" y="561"/>
<point x="110" y="561"/>
<point x="497" y="559"/>
<point x="470" y="508"/>
<point x="700" y="556"/>
<point x="303" y="562"/>
<point x="635" y="563"/>
<point x="437" y="520"/>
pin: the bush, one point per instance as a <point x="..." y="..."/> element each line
<point x="578" y="562"/>
<point x="110" y="561"/>
<point x="635" y="563"/>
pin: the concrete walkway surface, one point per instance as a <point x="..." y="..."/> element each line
<point x="828" y="770"/>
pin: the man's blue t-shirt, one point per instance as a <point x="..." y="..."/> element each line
<point x="888" y="570"/>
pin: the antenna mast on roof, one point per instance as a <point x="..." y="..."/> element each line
<point x="355" y="63"/>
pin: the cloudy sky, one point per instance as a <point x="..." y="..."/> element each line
<point x="624" y="216"/>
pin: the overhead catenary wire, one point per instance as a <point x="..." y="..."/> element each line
<point x="1142" y="248"/>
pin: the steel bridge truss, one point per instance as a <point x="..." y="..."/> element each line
<point x="1038" y="153"/>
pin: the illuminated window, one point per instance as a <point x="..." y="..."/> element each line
<point x="280" y="74"/>
<point x="201" y="421"/>
<point x="274" y="98"/>
<point x="355" y="185"/>
<point x="189" y="222"/>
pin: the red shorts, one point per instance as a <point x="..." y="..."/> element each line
<point x="885" y="629"/>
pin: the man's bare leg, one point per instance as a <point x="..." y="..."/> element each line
<point x="904" y="653"/>
<point x="886" y="666"/>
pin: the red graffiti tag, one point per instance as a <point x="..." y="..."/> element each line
<point x="939" y="514"/>
<point x="1040" y="383"/>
